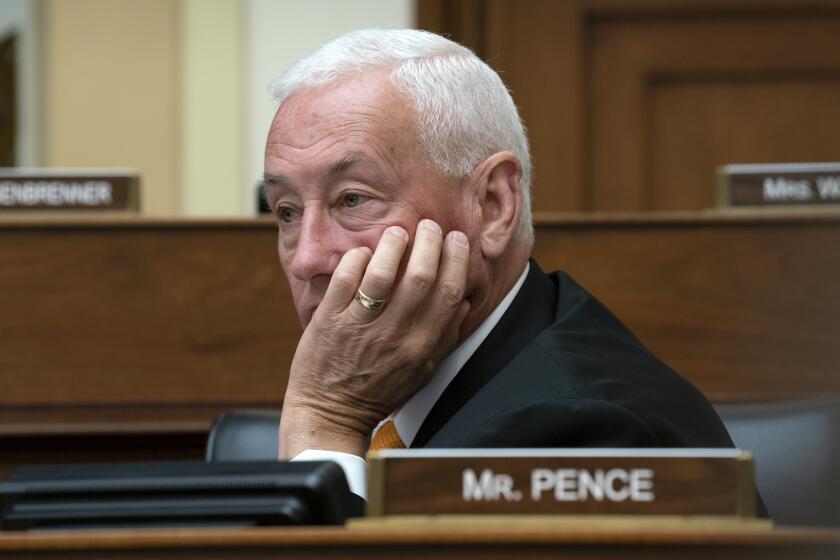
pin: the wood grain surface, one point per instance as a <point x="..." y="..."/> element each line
<point x="738" y="303"/>
<point x="631" y="104"/>
<point x="491" y="540"/>
<point x="122" y="327"/>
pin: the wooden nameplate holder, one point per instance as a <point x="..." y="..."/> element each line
<point x="700" y="483"/>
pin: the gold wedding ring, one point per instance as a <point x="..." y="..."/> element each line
<point x="369" y="302"/>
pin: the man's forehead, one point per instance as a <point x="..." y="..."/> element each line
<point x="358" y="122"/>
<point x="331" y="153"/>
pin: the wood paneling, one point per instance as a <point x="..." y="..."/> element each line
<point x="740" y="305"/>
<point x="700" y="124"/>
<point x="141" y="313"/>
<point x="631" y="104"/>
<point x="129" y="329"/>
<point x="136" y="334"/>
<point x="672" y="99"/>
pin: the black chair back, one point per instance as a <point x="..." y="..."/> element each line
<point x="796" y="445"/>
<point x="245" y="435"/>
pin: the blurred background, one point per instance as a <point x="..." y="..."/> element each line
<point x="631" y="105"/>
<point x="176" y="89"/>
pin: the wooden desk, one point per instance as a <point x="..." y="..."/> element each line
<point x="463" y="542"/>
<point x="122" y="339"/>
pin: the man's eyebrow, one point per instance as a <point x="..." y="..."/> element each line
<point x="270" y="179"/>
<point x="330" y="172"/>
<point x="341" y="165"/>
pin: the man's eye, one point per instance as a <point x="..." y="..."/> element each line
<point x="351" y="200"/>
<point x="286" y="214"/>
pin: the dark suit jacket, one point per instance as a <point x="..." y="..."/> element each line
<point x="560" y="370"/>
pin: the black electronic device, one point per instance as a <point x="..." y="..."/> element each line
<point x="176" y="494"/>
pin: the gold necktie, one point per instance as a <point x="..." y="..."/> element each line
<point x="386" y="438"/>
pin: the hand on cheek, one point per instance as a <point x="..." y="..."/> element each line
<point x="357" y="363"/>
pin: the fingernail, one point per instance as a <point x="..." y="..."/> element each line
<point x="398" y="231"/>
<point x="366" y="250"/>
<point x="459" y="238"/>
<point x="430" y="225"/>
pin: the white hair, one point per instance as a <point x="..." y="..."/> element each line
<point x="464" y="112"/>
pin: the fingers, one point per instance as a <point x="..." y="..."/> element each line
<point x="382" y="270"/>
<point x="438" y="324"/>
<point x="448" y="294"/>
<point x="422" y="269"/>
<point x="432" y="286"/>
<point x="345" y="280"/>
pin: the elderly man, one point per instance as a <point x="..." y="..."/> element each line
<point x="399" y="172"/>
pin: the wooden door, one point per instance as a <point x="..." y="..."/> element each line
<point x="631" y="104"/>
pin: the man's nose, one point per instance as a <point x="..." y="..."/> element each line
<point x="319" y="247"/>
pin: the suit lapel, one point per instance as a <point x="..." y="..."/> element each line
<point x="531" y="312"/>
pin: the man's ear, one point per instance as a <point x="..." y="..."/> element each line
<point x="500" y="201"/>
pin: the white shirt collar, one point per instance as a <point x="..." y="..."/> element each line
<point x="410" y="417"/>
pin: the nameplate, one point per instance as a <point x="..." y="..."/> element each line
<point x="45" y="189"/>
<point x="697" y="482"/>
<point x="801" y="184"/>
